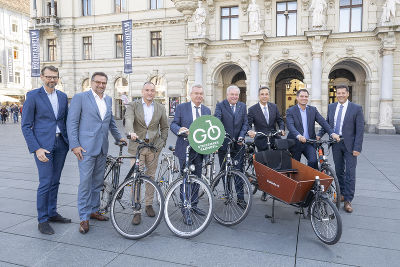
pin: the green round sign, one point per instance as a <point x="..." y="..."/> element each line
<point x="206" y="134"/>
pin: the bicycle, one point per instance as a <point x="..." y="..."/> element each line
<point x="323" y="166"/>
<point x="168" y="170"/>
<point x="231" y="190"/>
<point x="188" y="202"/>
<point x="127" y="199"/>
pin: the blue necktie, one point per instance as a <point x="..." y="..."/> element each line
<point x="338" y="120"/>
<point x="266" y="114"/>
<point x="197" y="112"/>
<point x="233" y="109"/>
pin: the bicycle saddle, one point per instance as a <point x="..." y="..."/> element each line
<point x="171" y="148"/>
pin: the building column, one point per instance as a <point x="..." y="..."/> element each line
<point x="198" y="70"/>
<point x="316" y="80"/>
<point x="254" y="81"/>
<point x="385" y="125"/>
<point x="53" y="13"/>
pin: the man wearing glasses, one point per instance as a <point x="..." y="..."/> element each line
<point x="44" y="127"/>
<point x="89" y="120"/>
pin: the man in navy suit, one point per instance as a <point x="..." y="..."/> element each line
<point x="185" y="114"/>
<point x="43" y="124"/>
<point x="233" y="115"/>
<point x="300" y="120"/>
<point x="264" y="116"/>
<point x="347" y="120"/>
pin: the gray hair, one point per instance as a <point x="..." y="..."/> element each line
<point x="196" y="85"/>
<point x="232" y="87"/>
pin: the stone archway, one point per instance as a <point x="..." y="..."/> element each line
<point x="226" y="75"/>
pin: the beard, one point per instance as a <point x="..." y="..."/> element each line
<point x="51" y="84"/>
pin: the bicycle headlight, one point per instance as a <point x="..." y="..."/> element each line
<point x="192" y="168"/>
<point x="235" y="162"/>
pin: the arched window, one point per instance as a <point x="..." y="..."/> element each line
<point x="85" y="84"/>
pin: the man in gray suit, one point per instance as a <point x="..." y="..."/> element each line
<point x="147" y="120"/>
<point x="89" y="120"/>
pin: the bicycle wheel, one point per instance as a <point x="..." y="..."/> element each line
<point x="333" y="191"/>
<point x="164" y="175"/>
<point x="233" y="197"/>
<point x="184" y="218"/>
<point x="108" y="186"/>
<point x="326" y="221"/>
<point x="130" y="199"/>
<point x="251" y="175"/>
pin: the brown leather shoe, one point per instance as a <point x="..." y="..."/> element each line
<point x="347" y="207"/>
<point x="136" y="219"/>
<point x="149" y="211"/>
<point x="99" y="217"/>
<point x="84" y="227"/>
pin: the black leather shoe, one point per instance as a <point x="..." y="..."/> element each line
<point x="242" y="204"/>
<point x="45" y="228"/>
<point x="198" y="211"/>
<point x="60" y="219"/>
<point x="264" y="196"/>
<point x="186" y="217"/>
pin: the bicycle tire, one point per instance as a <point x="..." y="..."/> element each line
<point x="224" y="207"/>
<point x="164" y="175"/>
<point x="108" y="187"/>
<point x="320" y="215"/>
<point x="121" y="216"/>
<point x="334" y="185"/>
<point x="174" y="208"/>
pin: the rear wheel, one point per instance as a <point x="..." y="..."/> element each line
<point x="111" y="176"/>
<point x="333" y="191"/>
<point x="164" y="175"/>
<point x="326" y="221"/>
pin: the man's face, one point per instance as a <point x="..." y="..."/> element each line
<point x="342" y="95"/>
<point x="49" y="78"/>
<point x="233" y="96"/>
<point x="148" y="92"/>
<point x="263" y="95"/>
<point x="302" y="98"/>
<point x="99" y="84"/>
<point x="197" y="95"/>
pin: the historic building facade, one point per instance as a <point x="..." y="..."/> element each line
<point x="285" y="44"/>
<point x="15" y="75"/>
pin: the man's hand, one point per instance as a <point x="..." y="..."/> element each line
<point x="318" y="137"/>
<point x="183" y="130"/>
<point x="133" y="136"/>
<point x="282" y="132"/>
<point x="336" y="137"/>
<point x="123" y="140"/>
<point x="251" y="133"/>
<point x="301" y="138"/>
<point x="356" y="153"/>
<point x="41" y="154"/>
<point x="240" y="141"/>
<point x="78" y="152"/>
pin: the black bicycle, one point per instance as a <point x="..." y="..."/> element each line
<point x="136" y="191"/>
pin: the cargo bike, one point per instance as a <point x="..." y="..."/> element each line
<point x="291" y="182"/>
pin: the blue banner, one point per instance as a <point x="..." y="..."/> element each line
<point x="35" y="53"/>
<point x="127" y="36"/>
<point x="10" y="65"/>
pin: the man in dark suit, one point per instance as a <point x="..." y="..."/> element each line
<point x="185" y="114"/>
<point x="233" y="115"/>
<point x="264" y="116"/>
<point x="347" y="120"/>
<point x="300" y="120"/>
<point x="44" y="127"/>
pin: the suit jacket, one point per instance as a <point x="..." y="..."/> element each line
<point x="352" y="128"/>
<point x="38" y="120"/>
<point x="184" y="118"/>
<point x="295" y="124"/>
<point x="157" y="130"/>
<point x="256" y="117"/>
<point x="85" y="127"/>
<point x="235" y="124"/>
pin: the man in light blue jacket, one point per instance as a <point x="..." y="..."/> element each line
<point x="89" y="120"/>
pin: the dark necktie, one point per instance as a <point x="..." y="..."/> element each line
<point x="339" y="120"/>
<point x="266" y="114"/>
<point x="233" y="109"/>
<point x="197" y="112"/>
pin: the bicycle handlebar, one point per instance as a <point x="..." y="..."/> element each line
<point x="142" y="142"/>
<point x="329" y="141"/>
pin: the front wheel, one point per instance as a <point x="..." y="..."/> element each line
<point x="233" y="197"/>
<point x="130" y="200"/>
<point x="188" y="206"/>
<point x="333" y="191"/>
<point x="325" y="220"/>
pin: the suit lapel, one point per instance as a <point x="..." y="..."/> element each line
<point x="332" y="115"/>
<point x="228" y="107"/>
<point x="45" y="98"/>
<point x="297" y="111"/>
<point x="154" y="113"/>
<point x="270" y="114"/>
<point x="140" y="113"/>
<point x="309" y="122"/>
<point x="346" y="116"/>
<point x="60" y="104"/>
<point x="189" y="110"/>
<point x="93" y="102"/>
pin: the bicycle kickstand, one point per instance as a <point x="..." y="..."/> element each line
<point x="272" y="217"/>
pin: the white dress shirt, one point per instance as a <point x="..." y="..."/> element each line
<point x="101" y="104"/>
<point x="345" y="105"/>
<point x="54" y="104"/>
<point x="148" y="113"/>
<point x="194" y="110"/>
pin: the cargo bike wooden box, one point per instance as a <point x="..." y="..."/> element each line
<point x="299" y="185"/>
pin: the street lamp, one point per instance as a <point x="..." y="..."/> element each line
<point x="287" y="85"/>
